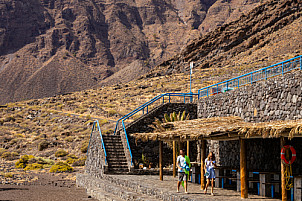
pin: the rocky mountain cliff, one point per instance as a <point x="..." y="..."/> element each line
<point x="50" y="47"/>
<point x="265" y="34"/>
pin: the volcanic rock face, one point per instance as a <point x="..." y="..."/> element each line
<point x="269" y="30"/>
<point x="50" y="47"/>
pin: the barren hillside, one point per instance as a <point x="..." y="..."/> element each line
<point x="51" y="47"/>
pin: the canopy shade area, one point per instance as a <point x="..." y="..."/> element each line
<point x="222" y="128"/>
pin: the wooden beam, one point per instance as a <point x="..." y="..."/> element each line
<point x="243" y="169"/>
<point x="174" y="159"/>
<point x="283" y="179"/>
<point x="202" y="159"/>
<point x="161" y="160"/>
<point x="188" y="148"/>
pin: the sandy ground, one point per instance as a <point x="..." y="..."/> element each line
<point x="43" y="193"/>
<point x="39" y="185"/>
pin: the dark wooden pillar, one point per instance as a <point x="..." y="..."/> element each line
<point x="283" y="179"/>
<point x="174" y="159"/>
<point x="243" y="169"/>
<point x="202" y="159"/>
<point x="161" y="160"/>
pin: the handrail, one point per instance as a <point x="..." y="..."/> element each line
<point x="127" y="141"/>
<point x="96" y="122"/>
<point x="145" y="105"/>
<point x="252" y="77"/>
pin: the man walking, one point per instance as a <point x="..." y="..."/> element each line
<point x="181" y="172"/>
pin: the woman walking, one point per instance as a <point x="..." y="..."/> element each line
<point x="209" y="166"/>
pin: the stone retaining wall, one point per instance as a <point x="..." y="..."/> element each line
<point x="275" y="99"/>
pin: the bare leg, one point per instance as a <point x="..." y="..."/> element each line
<point x="212" y="190"/>
<point x="206" y="188"/>
<point x="186" y="186"/>
<point x="178" y="185"/>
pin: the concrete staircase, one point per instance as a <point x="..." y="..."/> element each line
<point x="116" y="159"/>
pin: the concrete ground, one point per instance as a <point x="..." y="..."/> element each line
<point x="168" y="185"/>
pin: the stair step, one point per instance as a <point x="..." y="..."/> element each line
<point x="118" y="166"/>
<point x="117" y="159"/>
<point x="115" y="150"/>
<point x="111" y="153"/>
<point x="114" y="147"/>
<point x="117" y="163"/>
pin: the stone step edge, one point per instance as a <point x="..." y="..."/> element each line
<point x="102" y="195"/>
<point x="95" y="186"/>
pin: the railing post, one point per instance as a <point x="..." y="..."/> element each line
<point x="143" y="110"/>
<point x="300" y="62"/>
<point x="238" y="82"/>
<point x="163" y="99"/>
<point x="169" y="98"/>
<point x="207" y="92"/>
<point x="252" y="78"/>
<point x="227" y="86"/>
<point x="147" y="109"/>
<point x="184" y="99"/>
<point x="265" y="74"/>
<point x="282" y="69"/>
<point x="217" y="89"/>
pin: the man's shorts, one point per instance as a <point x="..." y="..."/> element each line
<point x="182" y="176"/>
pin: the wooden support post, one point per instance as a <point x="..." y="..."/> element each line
<point x="283" y="181"/>
<point x="243" y="170"/>
<point x="161" y="160"/>
<point x="188" y="148"/>
<point x="174" y="159"/>
<point x="203" y="157"/>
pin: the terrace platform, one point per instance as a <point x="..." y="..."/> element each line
<point x="148" y="187"/>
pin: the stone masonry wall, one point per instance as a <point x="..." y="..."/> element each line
<point x="151" y="149"/>
<point x="95" y="163"/>
<point x="275" y="99"/>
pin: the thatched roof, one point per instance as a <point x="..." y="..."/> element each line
<point x="223" y="128"/>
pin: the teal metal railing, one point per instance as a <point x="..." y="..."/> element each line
<point x="252" y="77"/>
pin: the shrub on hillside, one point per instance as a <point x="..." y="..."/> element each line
<point x="84" y="146"/>
<point x="23" y="161"/>
<point x="61" y="167"/>
<point x="79" y="162"/>
<point x="61" y="153"/>
<point x="33" y="166"/>
<point x="43" y="145"/>
<point x="10" y="155"/>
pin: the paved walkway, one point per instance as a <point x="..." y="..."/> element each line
<point x="194" y="192"/>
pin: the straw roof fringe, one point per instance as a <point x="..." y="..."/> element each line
<point x="224" y="128"/>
